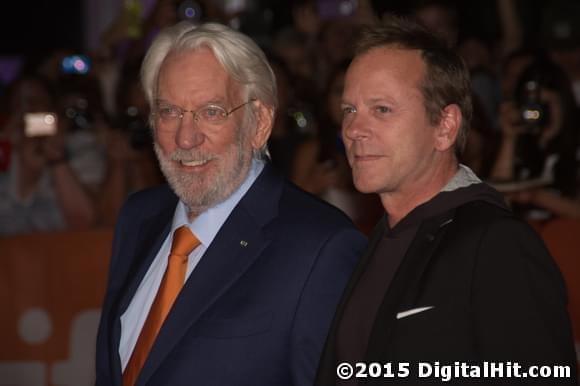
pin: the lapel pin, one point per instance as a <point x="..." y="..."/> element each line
<point x="243" y="243"/>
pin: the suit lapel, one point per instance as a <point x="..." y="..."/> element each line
<point x="152" y="234"/>
<point x="237" y="245"/>
<point x="407" y="282"/>
<point x="150" y="237"/>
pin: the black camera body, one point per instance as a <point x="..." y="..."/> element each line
<point x="79" y="115"/>
<point x="136" y="126"/>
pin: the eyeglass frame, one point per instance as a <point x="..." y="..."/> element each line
<point x="182" y="111"/>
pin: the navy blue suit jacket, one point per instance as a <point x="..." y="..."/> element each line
<point x="256" y="309"/>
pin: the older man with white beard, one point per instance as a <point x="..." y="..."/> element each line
<point x="229" y="276"/>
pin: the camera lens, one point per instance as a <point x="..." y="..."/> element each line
<point x="189" y="10"/>
<point x="534" y="113"/>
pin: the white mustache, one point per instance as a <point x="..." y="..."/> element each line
<point x="181" y="155"/>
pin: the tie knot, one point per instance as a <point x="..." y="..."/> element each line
<point x="183" y="241"/>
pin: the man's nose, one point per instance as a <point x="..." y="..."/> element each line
<point x="189" y="133"/>
<point x="355" y="127"/>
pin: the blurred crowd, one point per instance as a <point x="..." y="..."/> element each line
<point x="75" y="139"/>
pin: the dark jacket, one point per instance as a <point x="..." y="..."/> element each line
<point x="256" y="309"/>
<point x="495" y="292"/>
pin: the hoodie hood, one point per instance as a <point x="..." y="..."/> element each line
<point x="464" y="187"/>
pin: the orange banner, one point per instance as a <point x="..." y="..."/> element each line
<point x="51" y="289"/>
<point x="52" y="286"/>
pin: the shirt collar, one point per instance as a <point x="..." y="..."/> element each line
<point x="207" y="224"/>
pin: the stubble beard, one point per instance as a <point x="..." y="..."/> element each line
<point x="201" y="191"/>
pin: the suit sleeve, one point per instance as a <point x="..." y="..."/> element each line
<point x="320" y="295"/>
<point x="519" y="302"/>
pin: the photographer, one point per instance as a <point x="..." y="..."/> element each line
<point x="39" y="191"/>
<point x="83" y="121"/>
<point x="539" y="137"/>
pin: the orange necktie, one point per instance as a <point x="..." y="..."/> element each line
<point x="183" y="243"/>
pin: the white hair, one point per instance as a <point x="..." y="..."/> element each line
<point x="239" y="55"/>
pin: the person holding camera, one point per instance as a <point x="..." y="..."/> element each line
<point x="539" y="139"/>
<point x="39" y="191"/>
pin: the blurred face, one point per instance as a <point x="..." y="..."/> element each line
<point x="297" y="59"/>
<point x="389" y="140"/>
<point x="203" y="162"/>
<point x="31" y="96"/>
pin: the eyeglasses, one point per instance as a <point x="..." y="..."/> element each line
<point x="171" y="115"/>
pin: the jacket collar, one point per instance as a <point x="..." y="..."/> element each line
<point x="408" y="278"/>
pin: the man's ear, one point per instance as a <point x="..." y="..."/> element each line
<point x="448" y="127"/>
<point x="264" y="123"/>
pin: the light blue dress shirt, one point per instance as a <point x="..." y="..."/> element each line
<point x="205" y="227"/>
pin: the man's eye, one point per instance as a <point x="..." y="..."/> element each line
<point x="348" y="110"/>
<point x="382" y="109"/>
<point x="168" y="112"/>
<point x="212" y="113"/>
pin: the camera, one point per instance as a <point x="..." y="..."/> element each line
<point x="189" y="10"/>
<point x="79" y="115"/>
<point x="136" y="126"/>
<point x="40" y="124"/>
<point x="534" y="113"/>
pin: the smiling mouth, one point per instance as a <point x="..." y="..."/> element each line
<point x="193" y="163"/>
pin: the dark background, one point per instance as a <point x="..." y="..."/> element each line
<point x="35" y="27"/>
